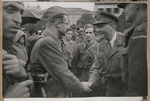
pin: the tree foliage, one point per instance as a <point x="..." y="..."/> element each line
<point x="86" y="18"/>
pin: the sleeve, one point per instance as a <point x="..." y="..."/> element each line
<point x="138" y="64"/>
<point x="124" y="66"/>
<point x="94" y="71"/>
<point x="50" y="57"/>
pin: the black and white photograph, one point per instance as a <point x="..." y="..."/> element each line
<point x="74" y="50"/>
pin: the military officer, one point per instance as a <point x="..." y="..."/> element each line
<point x="134" y="57"/>
<point x="106" y="70"/>
<point x="47" y="57"/>
<point x="81" y="62"/>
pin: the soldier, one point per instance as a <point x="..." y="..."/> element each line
<point x="69" y="46"/>
<point x="80" y="36"/>
<point x="106" y="70"/>
<point x="80" y="62"/>
<point x="15" y="78"/>
<point x="19" y="45"/>
<point x="75" y="32"/>
<point x="134" y="58"/>
<point x="47" y="57"/>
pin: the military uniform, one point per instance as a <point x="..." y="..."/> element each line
<point x="9" y="80"/>
<point x="47" y="56"/>
<point x="135" y="54"/>
<point x="82" y="61"/>
<point x="90" y="58"/>
<point x="90" y="54"/>
<point x="135" y="57"/>
<point x="106" y="70"/>
<point x="79" y="40"/>
<point x="69" y="49"/>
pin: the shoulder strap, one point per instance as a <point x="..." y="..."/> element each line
<point x="28" y="61"/>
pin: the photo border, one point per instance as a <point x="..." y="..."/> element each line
<point x="77" y="99"/>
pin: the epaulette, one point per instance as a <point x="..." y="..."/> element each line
<point x="121" y="34"/>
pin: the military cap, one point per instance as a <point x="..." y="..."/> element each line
<point x="122" y="5"/>
<point x="19" y="34"/>
<point x="104" y="17"/>
<point x="69" y="29"/>
<point x="81" y="30"/>
<point x="53" y="11"/>
<point x="88" y="26"/>
<point x="74" y="26"/>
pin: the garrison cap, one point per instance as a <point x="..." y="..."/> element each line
<point x="81" y="30"/>
<point x="104" y="17"/>
<point x="88" y="26"/>
<point x="74" y="26"/>
<point x="53" y="11"/>
<point x="20" y="2"/>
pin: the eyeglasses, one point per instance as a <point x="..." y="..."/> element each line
<point x="67" y="23"/>
<point x="99" y="33"/>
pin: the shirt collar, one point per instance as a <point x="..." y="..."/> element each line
<point x="112" y="41"/>
<point x="48" y="33"/>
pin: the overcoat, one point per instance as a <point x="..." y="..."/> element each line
<point x="135" y="58"/>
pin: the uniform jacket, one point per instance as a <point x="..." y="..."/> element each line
<point x="47" y="56"/>
<point x="89" y="55"/>
<point x="82" y="61"/>
<point x="109" y="61"/>
<point x="69" y="50"/>
<point x="9" y="80"/>
<point x="79" y="57"/>
<point x="135" y="58"/>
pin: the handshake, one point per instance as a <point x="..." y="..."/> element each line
<point x="87" y="86"/>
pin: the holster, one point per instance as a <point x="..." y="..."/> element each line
<point x="40" y="80"/>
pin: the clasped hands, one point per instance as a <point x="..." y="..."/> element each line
<point x="87" y="86"/>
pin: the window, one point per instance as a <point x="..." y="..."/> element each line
<point x="116" y="10"/>
<point x="101" y="9"/>
<point x="108" y="10"/>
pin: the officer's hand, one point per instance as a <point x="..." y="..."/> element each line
<point x="87" y="86"/>
<point x="20" y="89"/>
<point x="13" y="66"/>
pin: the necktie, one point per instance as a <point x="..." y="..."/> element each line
<point x="109" y="46"/>
<point x="62" y="45"/>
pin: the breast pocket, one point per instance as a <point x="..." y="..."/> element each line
<point x="116" y="60"/>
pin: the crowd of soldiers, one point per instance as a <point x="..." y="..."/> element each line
<point x="98" y="61"/>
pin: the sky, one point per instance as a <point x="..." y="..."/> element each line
<point x="45" y="5"/>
